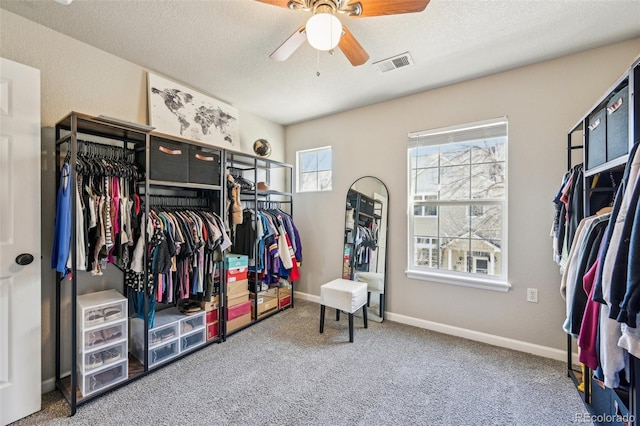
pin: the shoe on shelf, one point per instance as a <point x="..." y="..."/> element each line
<point x="112" y="313"/>
<point x="112" y="333"/>
<point x="156" y="337"/>
<point x="167" y="333"/>
<point x="93" y="360"/>
<point x="92" y="318"/>
<point x="111" y="355"/>
<point x="94" y="338"/>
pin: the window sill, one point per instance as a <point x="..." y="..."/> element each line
<point x="485" y="284"/>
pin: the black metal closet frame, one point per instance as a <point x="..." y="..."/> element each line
<point x="133" y="137"/>
<point x="631" y="78"/>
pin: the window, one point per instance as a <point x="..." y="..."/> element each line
<point x="314" y="170"/>
<point x="458" y="205"/>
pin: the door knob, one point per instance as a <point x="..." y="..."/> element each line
<point x="24" y="259"/>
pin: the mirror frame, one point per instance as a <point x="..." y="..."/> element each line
<point x="383" y="298"/>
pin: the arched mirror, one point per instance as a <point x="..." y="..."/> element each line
<point x="365" y="241"/>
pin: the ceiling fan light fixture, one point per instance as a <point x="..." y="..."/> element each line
<point x="323" y="31"/>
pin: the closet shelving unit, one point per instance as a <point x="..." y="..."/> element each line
<point x="180" y="173"/>
<point x="365" y="210"/>
<point x="198" y="186"/>
<point x="122" y="139"/>
<point x="278" y="176"/>
<point x="604" y="158"/>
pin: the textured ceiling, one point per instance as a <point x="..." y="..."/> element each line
<point x="221" y="47"/>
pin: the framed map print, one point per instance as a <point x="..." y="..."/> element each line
<point x="181" y="111"/>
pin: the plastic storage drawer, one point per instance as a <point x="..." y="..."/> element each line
<point x="193" y="340"/>
<point x="100" y="308"/>
<point x="163" y="352"/>
<point x="204" y="165"/>
<point x="105" y="334"/>
<point x="103" y="378"/>
<point x="192" y="323"/>
<point x="160" y="335"/>
<point x="103" y="357"/>
<point x="618" y="124"/>
<point x="168" y="160"/>
<point x="597" y="142"/>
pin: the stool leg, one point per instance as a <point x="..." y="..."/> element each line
<point x="368" y="298"/>
<point x="364" y="315"/>
<point x="337" y="314"/>
<point x="321" y="318"/>
<point x="351" y="328"/>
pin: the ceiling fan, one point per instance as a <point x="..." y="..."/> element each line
<point x="324" y="31"/>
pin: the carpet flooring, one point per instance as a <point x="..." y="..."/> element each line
<point x="281" y="371"/>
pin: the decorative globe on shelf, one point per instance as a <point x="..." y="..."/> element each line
<point x="262" y="148"/>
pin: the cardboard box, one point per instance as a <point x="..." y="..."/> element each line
<point x="236" y="299"/>
<point x="265" y="304"/>
<point x="212" y="316"/>
<point x="238" y="322"/>
<point x="237" y="274"/>
<point x="211" y="305"/>
<point x="236" y="260"/>
<point x="212" y="330"/>
<point x="237" y="287"/>
<point x="284" y="291"/>
<point x="284" y="302"/>
<point x="272" y="292"/>
<point x="236" y="311"/>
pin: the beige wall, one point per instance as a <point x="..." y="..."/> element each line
<point x="78" y="77"/>
<point x="542" y="102"/>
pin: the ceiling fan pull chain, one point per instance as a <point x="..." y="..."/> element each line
<point x="317" y="63"/>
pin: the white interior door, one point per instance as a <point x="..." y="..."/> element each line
<point x="20" y="305"/>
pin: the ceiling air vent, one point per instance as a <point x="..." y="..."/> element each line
<point x="390" y="64"/>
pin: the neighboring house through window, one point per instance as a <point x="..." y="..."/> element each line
<point x="458" y="204"/>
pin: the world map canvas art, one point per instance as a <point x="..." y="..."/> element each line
<point x="181" y="111"/>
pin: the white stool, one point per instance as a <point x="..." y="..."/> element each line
<point x="375" y="282"/>
<point x="343" y="295"/>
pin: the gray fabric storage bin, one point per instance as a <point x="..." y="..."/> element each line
<point x="168" y="160"/>
<point x="204" y="165"/>
<point x="618" y="124"/>
<point x="597" y="138"/>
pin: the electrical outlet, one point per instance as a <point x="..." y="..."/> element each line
<point x="532" y="295"/>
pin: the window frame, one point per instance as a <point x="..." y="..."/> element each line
<point x="316" y="171"/>
<point x="447" y="276"/>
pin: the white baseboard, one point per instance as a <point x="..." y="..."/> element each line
<point x="48" y="385"/>
<point x="503" y="342"/>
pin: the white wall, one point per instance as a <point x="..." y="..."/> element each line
<point x="78" y="77"/>
<point x="542" y="102"/>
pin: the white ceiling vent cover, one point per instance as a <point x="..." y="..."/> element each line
<point x="390" y="64"/>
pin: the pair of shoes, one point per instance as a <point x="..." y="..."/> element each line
<point x="167" y="333"/>
<point x="186" y="327"/>
<point x="190" y="308"/>
<point x="111" y="355"/>
<point x="93" y="317"/>
<point x="156" y="337"/>
<point x="112" y="313"/>
<point x="104" y="378"/>
<point x="93" y="360"/>
<point x="94" y="338"/>
<point x="112" y="333"/>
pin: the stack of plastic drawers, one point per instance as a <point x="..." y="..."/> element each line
<point x="102" y="340"/>
<point x="172" y="333"/>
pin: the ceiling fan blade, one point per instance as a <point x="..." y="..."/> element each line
<point x="289" y="4"/>
<point x="354" y="52"/>
<point x="363" y="8"/>
<point x="290" y="45"/>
